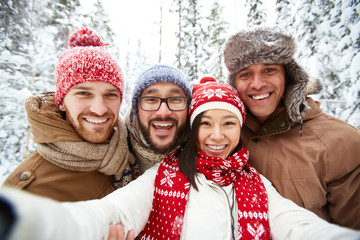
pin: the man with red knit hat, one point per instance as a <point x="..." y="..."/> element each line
<point x="82" y="150"/>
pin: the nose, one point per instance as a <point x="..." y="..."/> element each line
<point x="98" y="106"/>
<point x="258" y="82"/>
<point x="163" y="111"/>
<point x="217" y="133"/>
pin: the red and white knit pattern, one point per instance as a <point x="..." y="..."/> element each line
<point x="172" y="189"/>
<point x="86" y="61"/>
<point x="170" y="197"/>
<point x="209" y="94"/>
<point x="252" y="203"/>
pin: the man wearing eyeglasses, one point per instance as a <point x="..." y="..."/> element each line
<point x="157" y="121"/>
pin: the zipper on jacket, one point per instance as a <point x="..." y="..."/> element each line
<point x="231" y="209"/>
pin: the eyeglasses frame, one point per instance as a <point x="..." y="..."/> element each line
<point x="161" y="101"/>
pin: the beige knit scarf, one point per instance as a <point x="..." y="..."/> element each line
<point x="112" y="158"/>
<point x="145" y="154"/>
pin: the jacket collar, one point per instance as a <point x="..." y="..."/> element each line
<point x="47" y="124"/>
<point x="275" y="124"/>
<point x="280" y="122"/>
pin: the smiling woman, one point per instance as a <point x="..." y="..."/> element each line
<point x="219" y="133"/>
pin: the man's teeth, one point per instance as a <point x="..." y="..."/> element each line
<point x="216" y="147"/>
<point x="91" y="120"/>
<point x="259" y="97"/>
<point x="163" y="124"/>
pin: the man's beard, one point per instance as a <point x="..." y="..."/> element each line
<point x="93" y="135"/>
<point x="181" y="130"/>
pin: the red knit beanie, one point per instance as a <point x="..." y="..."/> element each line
<point x="209" y="94"/>
<point x="86" y="61"/>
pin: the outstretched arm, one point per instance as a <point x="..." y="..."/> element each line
<point x="43" y="218"/>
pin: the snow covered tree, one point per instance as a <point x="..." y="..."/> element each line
<point x="285" y="16"/>
<point x="347" y="27"/>
<point x="160" y="30"/>
<point x="216" y="35"/>
<point x="98" y="20"/>
<point x="15" y="72"/>
<point x="327" y="35"/>
<point x="192" y="37"/>
<point x="64" y="17"/>
<point x="180" y="10"/>
<point x="257" y="13"/>
<point x="135" y="63"/>
<point x="322" y="64"/>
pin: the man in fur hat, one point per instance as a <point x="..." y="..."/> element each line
<point x="82" y="150"/>
<point x="310" y="157"/>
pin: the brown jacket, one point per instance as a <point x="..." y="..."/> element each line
<point x="319" y="170"/>
<point x="40" y="176"/>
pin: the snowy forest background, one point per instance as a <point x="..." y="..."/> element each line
<point x="33" y="34"/>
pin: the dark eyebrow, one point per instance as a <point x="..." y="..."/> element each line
<point x="176" y="91"/>
<point x="155" y="90"/>
<point x="81" y="87"/>
<point x="243" y="69"/>
<point x="271" y="64"/>
<point x="113" y="90"/>
<point x="266" y="64"/>
<point x="77" y="87"/>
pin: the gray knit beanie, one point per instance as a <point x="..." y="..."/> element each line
<point x="268" y="46"/>
<point x="155" y="74"/>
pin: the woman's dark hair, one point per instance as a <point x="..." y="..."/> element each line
<point x="187" y="156"/>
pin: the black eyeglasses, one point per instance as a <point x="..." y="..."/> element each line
<point x="154" y="103"/>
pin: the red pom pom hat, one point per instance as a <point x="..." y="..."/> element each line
<point x="86" y="61"/>
<point x="209" y="94"/>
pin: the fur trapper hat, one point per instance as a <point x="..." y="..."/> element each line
<point x="269" y="46"/>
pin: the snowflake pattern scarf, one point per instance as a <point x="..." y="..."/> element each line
<point x="172" y="191"/>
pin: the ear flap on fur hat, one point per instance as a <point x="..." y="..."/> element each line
<point x="295" y="90"/>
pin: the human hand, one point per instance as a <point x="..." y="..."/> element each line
<point x="117" y="232"/>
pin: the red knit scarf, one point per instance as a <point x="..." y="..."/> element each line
<point x="172" y="191"/>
